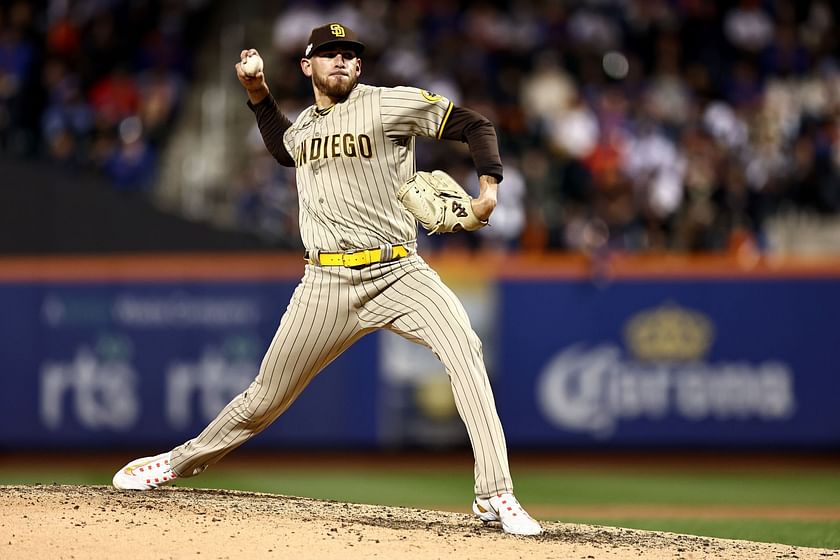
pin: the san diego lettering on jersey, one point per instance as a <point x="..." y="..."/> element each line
<point x="333" y="146"/>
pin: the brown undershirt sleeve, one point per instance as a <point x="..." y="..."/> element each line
<point x="273" y="124"/>
<point x="473" y="128"/>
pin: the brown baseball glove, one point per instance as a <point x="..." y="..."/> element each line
<point x="439" y="203"/>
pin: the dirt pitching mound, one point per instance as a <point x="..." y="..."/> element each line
<point x="95" y="522"/>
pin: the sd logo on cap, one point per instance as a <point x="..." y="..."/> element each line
<point x="333" y="35"/>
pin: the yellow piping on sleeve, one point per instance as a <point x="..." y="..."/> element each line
<point x="445" y="118"/>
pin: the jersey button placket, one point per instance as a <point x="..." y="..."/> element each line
<point x="315" y="163"/>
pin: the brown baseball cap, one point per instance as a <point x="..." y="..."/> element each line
<point x="333" y="34"/>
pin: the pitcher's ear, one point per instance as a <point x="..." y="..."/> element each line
<point x="306" y="67"/>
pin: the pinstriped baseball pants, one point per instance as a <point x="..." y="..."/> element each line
<point x="332" y="308"/>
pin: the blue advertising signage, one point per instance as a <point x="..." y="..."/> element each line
<point x="634" y="362"/>
<point x="670" y="363"/>
<point x="130" y="364"/>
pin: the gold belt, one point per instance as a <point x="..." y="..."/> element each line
<point x="360" y="258"/>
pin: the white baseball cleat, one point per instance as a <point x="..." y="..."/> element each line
<point x="506" y="509"/>
<point x="147" y="473"/>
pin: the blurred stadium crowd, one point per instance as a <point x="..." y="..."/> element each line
<point x="640" y="124"/>
<point x="94" y="83"/>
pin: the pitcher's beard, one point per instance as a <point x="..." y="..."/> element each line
<point x="336" y="90"/>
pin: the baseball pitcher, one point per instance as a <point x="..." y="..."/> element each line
<point x="360" y="200"/>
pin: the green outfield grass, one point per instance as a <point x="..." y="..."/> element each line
<point x="546" y="489"/>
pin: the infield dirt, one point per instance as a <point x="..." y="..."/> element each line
<point x="96" y="522"/>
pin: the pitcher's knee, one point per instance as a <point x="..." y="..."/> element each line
<point x="257" y="409"/>
<point x="466" y="356"/>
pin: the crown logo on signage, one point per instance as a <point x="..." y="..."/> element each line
<point x="668" y="333"/>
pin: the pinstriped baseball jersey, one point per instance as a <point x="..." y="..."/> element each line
<point x="353" y="157"/>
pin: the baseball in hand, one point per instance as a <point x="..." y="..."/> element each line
<point x="253" y="65"/>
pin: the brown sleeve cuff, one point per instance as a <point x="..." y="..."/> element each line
<point x="273" y="124"/>
<point x="465" y="125"/>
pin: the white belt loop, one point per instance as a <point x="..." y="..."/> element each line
<point x="386" y="252"/>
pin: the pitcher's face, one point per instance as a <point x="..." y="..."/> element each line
<point x="333" y="71"/>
